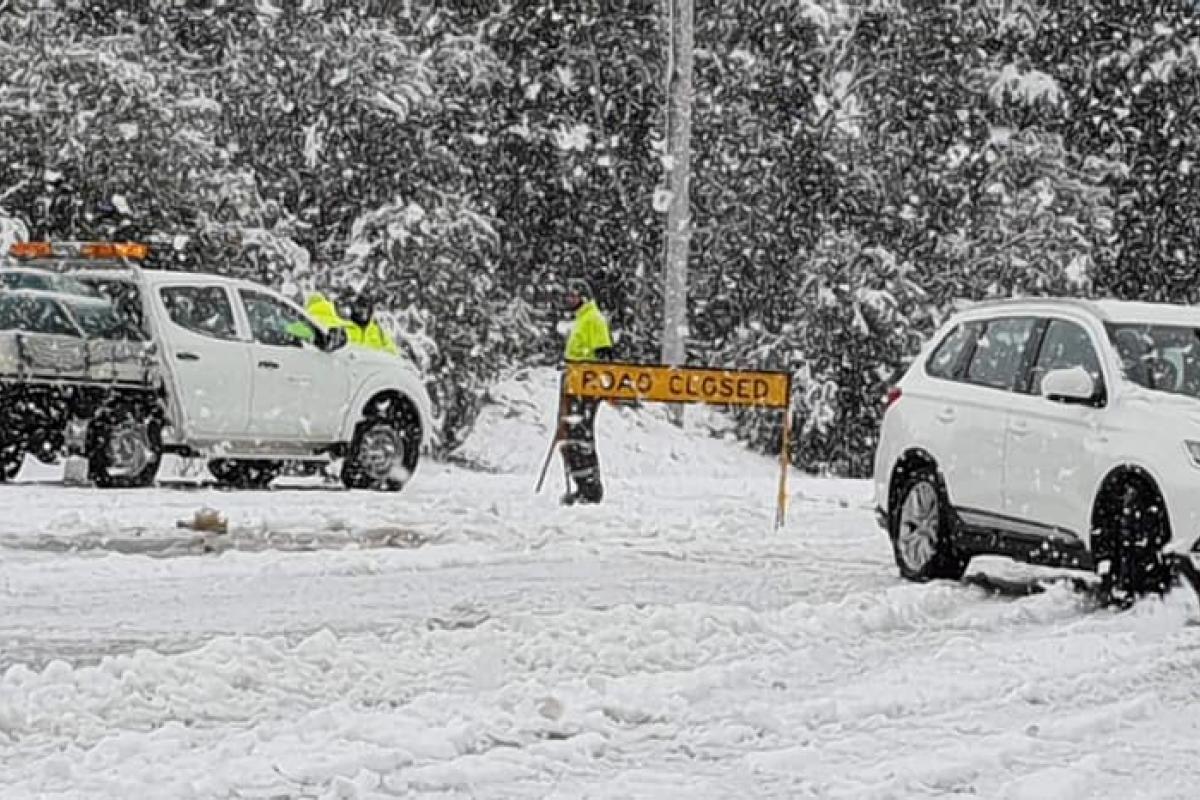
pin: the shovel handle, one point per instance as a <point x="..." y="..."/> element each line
<point x="560" y="421"/>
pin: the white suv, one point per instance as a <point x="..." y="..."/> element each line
<point x="1056" y="432"/>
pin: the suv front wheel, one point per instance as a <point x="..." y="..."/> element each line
<point x="922" y="526"/>
<point x="1130" y="527"/>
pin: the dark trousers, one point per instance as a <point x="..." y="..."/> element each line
<point x="579" y="449"/>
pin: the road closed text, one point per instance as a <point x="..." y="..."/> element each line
<point x="678" y="385"/>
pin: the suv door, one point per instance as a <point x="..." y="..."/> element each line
<point x="1050" y="466"/>
<point x="299" y="390"/>
<point x="209" y="360"/>
<point x="975" y="467"/>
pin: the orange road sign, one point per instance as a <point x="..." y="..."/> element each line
<point x="678" y="384"/>
<point x="647" y="382"/>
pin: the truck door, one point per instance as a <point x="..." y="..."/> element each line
<point x="299" y="390"/>
<point x="209" y="359"/>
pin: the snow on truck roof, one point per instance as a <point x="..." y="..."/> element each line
<point x="104" y="260"/>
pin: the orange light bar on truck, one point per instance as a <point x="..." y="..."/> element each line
<point x="30" y="250"/>
<point x="114" y="250"/>
<point x="95" y="250"/>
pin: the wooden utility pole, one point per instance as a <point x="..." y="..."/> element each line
<point x="680" y="23"/>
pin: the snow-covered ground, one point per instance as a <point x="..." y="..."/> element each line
<point x="468" y="638"/>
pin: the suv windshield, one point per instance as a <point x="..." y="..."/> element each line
<point x="1165" y="358"/>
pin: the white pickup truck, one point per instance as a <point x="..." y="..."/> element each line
<point x="238" y="374"/>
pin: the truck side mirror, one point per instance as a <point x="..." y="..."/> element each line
<point x="335" y="339"/>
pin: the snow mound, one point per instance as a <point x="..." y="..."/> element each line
<point x="513" y="431"/>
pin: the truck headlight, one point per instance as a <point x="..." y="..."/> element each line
<point x="1193" y="449"/>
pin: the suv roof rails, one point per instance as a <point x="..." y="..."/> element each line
<point x="1000" y="302"/>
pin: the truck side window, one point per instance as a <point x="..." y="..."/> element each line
<point x="201" y="309"/>
<point x="275" y="323"/>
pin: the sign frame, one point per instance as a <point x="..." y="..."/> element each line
<point x="626" y="381"/>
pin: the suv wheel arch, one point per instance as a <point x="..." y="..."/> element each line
<point x="910" y="462"/>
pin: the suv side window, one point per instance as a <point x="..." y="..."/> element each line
<point x="999" y="352"/>
<point x="205" y="310"/>
<point x="276" y="323"/>
<point x="946" y="360"/>
<point x="1065" y="345"/>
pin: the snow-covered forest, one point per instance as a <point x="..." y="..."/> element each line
<point x="858" y="166"/>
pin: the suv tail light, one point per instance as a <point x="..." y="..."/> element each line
<point x="893" y="397"/>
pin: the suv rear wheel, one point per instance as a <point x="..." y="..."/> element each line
<point x="922" y="527"/>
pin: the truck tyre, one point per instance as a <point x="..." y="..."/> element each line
<point x="124" y="447"/>
<point x="11" y="457"/>
<point x="385" y="449"/>
<point x="922" y="526"/>
<point x="240" y="473"/>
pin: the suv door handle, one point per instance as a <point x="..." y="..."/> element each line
<point x="946" y="415"/>
<point x="185" y="356"/>
<point x="268" y="364"/>
<point x="1018" y="428"/>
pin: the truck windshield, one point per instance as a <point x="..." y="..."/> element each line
<point x="101" y="321"/>
<point x="125" y="297"/>
<point x="46" y="281"/>
<point x="1165" y="358"/>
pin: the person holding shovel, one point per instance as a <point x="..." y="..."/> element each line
<point x="589" y="340"/>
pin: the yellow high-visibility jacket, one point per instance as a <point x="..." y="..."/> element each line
<point x="324" y="312"/>
<point x="589" y="335"/>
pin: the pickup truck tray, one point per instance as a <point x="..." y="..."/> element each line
<point x="38" y="358"/>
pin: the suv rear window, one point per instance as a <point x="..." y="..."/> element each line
<point x="1000" y="352"/>
<point x="945" y="360"/>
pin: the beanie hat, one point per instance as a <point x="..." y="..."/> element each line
<point x="580" y="287"/>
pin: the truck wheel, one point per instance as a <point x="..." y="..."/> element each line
<point x="384" y="451"/>
<point x="124" y="447"/>
<point x="11" y="457"/>
<point x="244" y="473"/>
<point x="922" y="526"/>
